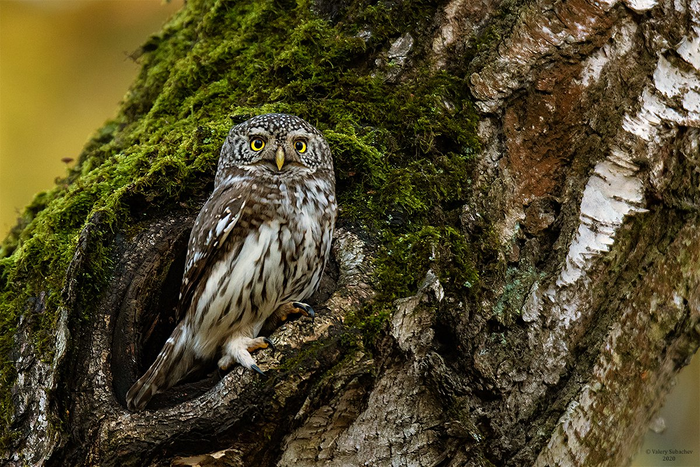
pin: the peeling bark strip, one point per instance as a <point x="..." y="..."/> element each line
<point x="606" y="417"/>
<point x="582" y="214"/>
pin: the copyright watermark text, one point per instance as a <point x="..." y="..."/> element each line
<point x="669" y="455"/>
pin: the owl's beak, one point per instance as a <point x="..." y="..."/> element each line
<point x="279" y="157"/>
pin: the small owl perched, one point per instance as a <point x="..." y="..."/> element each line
<point x="259" y="246"/>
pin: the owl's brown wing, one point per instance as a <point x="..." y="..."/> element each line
<point x="214" y="223"/>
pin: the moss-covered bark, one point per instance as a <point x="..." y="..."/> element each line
<point x="459" y="323"/>
<point x="217" y="63"/>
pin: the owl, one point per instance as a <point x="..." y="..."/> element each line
<point x="259" y="246"/>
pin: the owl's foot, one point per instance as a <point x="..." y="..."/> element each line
<point x="305" y="309"/>
<point x="293" y="308"/>
<point x="238" y="349"/>
<point x="284" y="313"/>
<point x="260" y="343"/>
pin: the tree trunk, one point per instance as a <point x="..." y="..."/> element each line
<point x="515" y="268"/>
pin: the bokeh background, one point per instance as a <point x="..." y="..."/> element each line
<point x="64" y="67"/>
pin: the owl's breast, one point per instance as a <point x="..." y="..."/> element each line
<point x="275" y="254"/>
<point x="307" y="235"/>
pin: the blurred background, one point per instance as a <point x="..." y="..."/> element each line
<point x="64" y="67"/>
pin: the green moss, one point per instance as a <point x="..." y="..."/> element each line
<point x="404" y="151"/>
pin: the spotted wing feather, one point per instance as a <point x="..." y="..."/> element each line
<point x="214" y="223"/>
<point x="222" y="211"/>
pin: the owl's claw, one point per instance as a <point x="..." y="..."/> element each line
<point x="269" y="344"/>
<point x="257" y="368"/>
<point x="306" y="310"/>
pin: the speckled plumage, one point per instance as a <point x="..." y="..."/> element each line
<point x="260" y="242"/>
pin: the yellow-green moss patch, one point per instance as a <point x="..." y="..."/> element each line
<point x="403" y="148"/>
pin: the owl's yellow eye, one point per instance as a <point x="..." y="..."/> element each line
<point x="300" y="146"/>
<point x="257" y="144"/>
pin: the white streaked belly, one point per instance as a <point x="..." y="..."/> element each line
<point x="243" y="269"/>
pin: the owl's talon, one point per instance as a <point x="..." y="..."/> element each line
<point x="257" y="368"/>
<point x="270" y="344"/>
<point x="306" y="310"/>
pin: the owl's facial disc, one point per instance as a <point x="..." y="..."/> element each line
<point x="254" y="146"/>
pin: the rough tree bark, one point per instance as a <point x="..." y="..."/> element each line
<point x="581" y="215"/>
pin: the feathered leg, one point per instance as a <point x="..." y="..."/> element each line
<point x="238" y="348"/>
<point x="174" y="361"/>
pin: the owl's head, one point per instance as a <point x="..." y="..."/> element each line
<point x="275" y="145"/>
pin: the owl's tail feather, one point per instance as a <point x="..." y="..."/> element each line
<point x="174" y="361"/>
